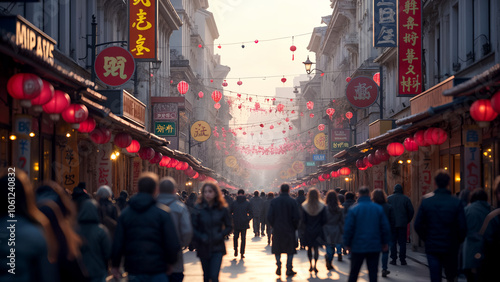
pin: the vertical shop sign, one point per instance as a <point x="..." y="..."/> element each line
<point x="378" y="177"/>
<point x="68" y="164"/>
<point x="410" y="48"/>
<point x="425" y="180"/>
<point x="472" y="162"/>
<point x="384" y="23"/>
<point x="136" y="172"/>
<point x="104" y="170"/>
<point x="143" y="29"/>
<point x="22" y="145"/>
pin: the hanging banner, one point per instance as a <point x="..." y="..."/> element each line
<point x="340" y="139"/>
<point x="410" y="48"/>
<point x="384" y="23"/>
<point x="104" y="169"/>
<point x="143" y="29"/>
<point x="472" y="157"/>
<point x="68" y="164"/>
<point x="22" y="145"/>
<point x="425" y="170"/>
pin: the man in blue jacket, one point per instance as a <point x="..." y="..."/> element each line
<point x="441" y="223"/>
<point x="366" y="234"/>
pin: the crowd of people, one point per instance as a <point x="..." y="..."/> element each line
<point x="63" y="236"/>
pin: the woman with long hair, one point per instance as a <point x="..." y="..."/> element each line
<point x="378" y="196"/>
<point x="313" y="220"/>
<point x="333" y="228"/>
<point x="211" y="223"/>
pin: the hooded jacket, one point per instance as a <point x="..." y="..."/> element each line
<point x="146" y="236"/>
<point x="402" y="206"/>
<point x="241" y="212"/>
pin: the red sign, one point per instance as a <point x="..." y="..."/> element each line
<point x="362" y="92"/>
<point x="410" y="48"/>
<point x="142" y="29"/>
<point x="114" y="66"/>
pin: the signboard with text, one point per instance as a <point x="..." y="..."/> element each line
<point x="319" y="157"/>
<point x="201" y="131"/>
<point x="114" y="66"/>
<point x="384" y="23"/>
<point x="472" y="157"/>
<point x="165" y="128"/>
<point x="143" y="29"/>
<point x="340" y="139"/>
<point x="104" y="167"/>
<point x="361" y="92"/>
<point x="22" y="145"/>
<point x="310" y="163"/>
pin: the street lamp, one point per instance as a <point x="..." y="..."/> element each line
<point x="308" y="64"/>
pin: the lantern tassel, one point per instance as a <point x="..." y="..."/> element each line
<point x="293" y="57"/>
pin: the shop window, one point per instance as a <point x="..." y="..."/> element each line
<point x="488" y="172"/>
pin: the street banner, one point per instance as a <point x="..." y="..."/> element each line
<point x="143" y="29"/>
<point x="104" y="166"/>
<point x="384" y="23"/>
<point x="114" y="66"/>
<point x="165" y="128"/>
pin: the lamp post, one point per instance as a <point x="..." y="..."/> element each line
<point x="308" y="65"/>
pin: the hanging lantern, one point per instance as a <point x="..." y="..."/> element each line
<point x="366" y="162"/>
<point x="280" y="107"/>
<point x="419" y="138"/>
<point x="134" y="147"/>
<point x="310" y="105"/>
<point x="482" y="112"/>
<point x="395" y="149"/>
<point x="183" y="87"/>
<point x="25" y="87"/>
<point x="122" y="140"/>
<point x="495" y="102"/>
<point x="271" y="127"/>
<point x="348" y="115"/>
<point x="217" y="106"/>
<point x="410" y="144"/>
<point x="164" y="161"/>
<point x="59" y="102"/>
<point x="382" y="155"/>
<point x="373" y="159"/>
<point x="182" y="166"/>
<point x="196" y="175"/>
<point x="348" y="79"/>
<point x="320" y="178"/>
<point x="156" y="158"/>
<point x="314" y="181"/>
<point x="290" y="127"/>
<point x="311" y="115"/>
<point x="216" y="96"/>
<point x="146" y="153"/>
<point x="334" y="173"/>
<point x="321" y="127"/>
<point x="326" y="176"/>
<point x="283" y="80"/>
<point x="293" y="49"/>
<point x="239" y="82"/>
<point x="100" y="135"/>
<point x="344" y="171"/>
<point x="257" y="105"/>
<point x="330" y="112"/>
<point x="87" y="125"/>
<point x="200" y="94"/>
<point x="45" y="95"/>
<point x="376" y="78"/>
<point x="172" y="163"/>
<point x="361" y="165"/>
<point x="261" y="125"/>
<point x="224" y="84"/>
<point x="435" y="136"/>
<point x="75" y="113"/>
<point x="287" y="119"/>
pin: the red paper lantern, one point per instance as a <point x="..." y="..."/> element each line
<point x="271" y="127"/>
<point x="314" y="181"/>
<point x="257" y="105"/>
<point x="45" y="95"/>
<point x="495" y="102"/>
<point x="261" y="125"/>
<point x="334" y="173"/>
<point x="87" y="125"/>
<point x="280" y="107"/>
<point x="172" y="163"/>
<point x="182" y="166"/>
<point x="183" y="87"/>
<point x="283" y="80"/>
<point x="224" y="84"/>
<point x="395" y="149"/>
<point x="348" y="79"/>
<point x="25" y="86"/>
<point x="156" y="158"/>
<point x="164" y="161"/>
<point x="482" y="112"/>
<point x="146" y="153"/>
<point x="100" y="135"/>
<point x="200" y="94"/>
<point x="123" y="140"/>
<point x="348" y="115"/>
<point x="311" y="115"/>
<point x="435" y="136"/>
<point x="326" y="176"/>
<point x="367" y="163"/>
<point x="310" y="105"/>
<point x="382" y="155"/>
<point x="330" y="112"/>
<point x="196" y="175"/>
<point x="202" y="177"/>
<point x="239" y="82"/>
<point x="287" y="119"/>
<point x="344" y="171"/>
<point x="360" y="164"/>
<point x="320" y="178"/>
<point x="134" y="147"/>
<point x="373" y="159"/>
<point x="376" y="78"/>
<point x="75" y="113"/>
<point x="419" y="138"/>
<point x="216" y="96"/>
<point x="59" y="102"/>
<point x="321" y="127"/>
<point x="410" y="144"/>
<point x="217" y="106"/>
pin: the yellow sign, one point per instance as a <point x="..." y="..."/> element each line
<point x="284" y="174"/>
<point x="320" y="141"/>
<point x="201" y="131"/>
<point x="298" y="167"/>
<point x="231" y="161"/>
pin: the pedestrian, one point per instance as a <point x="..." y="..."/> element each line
<point x="475" y="213"/>
<point x="403" y="211"/>
<point x="284" y="217"/>
<point x="350" y="200"/>
<point x="313" y="220"/>
<point x="96" y="248"/>
<point x="441" y="224"/>
<point x="262" y="214"/>
<point x="267" y="203"/>
<point x="379" y="197"/>
<point x="300" y="234"/>
<point x="182" y="222"/>
<point x="257" y="204"/>
<point x="366" y="233"/>
<point x="190" y="203"/>
<point x="211" y="223"/>
<point x="122" y="200"/>
<point x="79" y="195"/>
<point x="31" y="229"/>
<point x="333" y="228"/>
<point x="242" y="214"/>
<point x="145" y="235"/>
<point x="108" y="212"/>
<point x="227" y="197"/>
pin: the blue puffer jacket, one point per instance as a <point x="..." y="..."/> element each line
<point x="366" y="227"/>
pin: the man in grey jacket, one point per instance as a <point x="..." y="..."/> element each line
<point x="180" y="215"/>
<point x="403" y="210"/>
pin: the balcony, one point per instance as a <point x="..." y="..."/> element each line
<point x="351" y="42"/>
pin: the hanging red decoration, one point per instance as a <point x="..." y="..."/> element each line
<point x="164" y="161"/>
<point x="348" y="115"/>
<point x="239" y="82"/>
<point x="183" y="87"/>
<point x="360" y="164"/>
<point x="372" y="158"/>
<point x="419" y="138"/>
<point x="382" y="155"/>
<point x="301" y="114"/>
<point x="200" y="46"/>
<point x="122" y="140"/>
<point x="75" y="113"/>
<point x="482" y="112"/>
<point x="283" y="80"/>
<point x="287" y="119"/>
<point x="224" y="84"/>
<point x="134" y="147"/>
<point x="156" y="158"/>
<point x="100" y="135"/>
<point x="311" y="115"/>
<point x="348" y="79"/>
<point x="257" y="105"/>
<point x="45" y="95"/>
<point x="410" y="144"/>
<point x="326" y="176"/>
<point x="200" y="94"/>
<point x="330" y="112"/>
<point x="25" y="87"/>
<point x="290" y="127"/>
<point x="211" y="81"/>
<point x="334" y="173"/>
<point x="87" y="125"/>
<point x="310" y="105"/>
<point x="366" y="162"/>
<point x="293" y="112"/>
<point x="256" y="41"/>
<point x="172" y="163"/>
<point x="435" y="136"/>
<point x="495" y="102"/>
<point x="284" y="131"/>
<point x="216" y="96"/>
<point x="344" y="171"/>
<point x="314" y="181"/>
<point x="293" y="49"/>
<point x="59" y="102"/>
<point x="376" y="78"/>
<point x="320" y="178"/>
<point x="261" y="125"/>
<point x="271" y="127"/>
<point x="146" y="153"/>
<point x="196" y="175"/>
<point x="321" y="127"/>
<point x="395" y="149"/>
<point x="217" y="106"/>
<point x="280" y="107"/>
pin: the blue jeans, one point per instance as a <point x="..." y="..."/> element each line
<point x="211" y="267"/>
<point x="385" y="258"/>
<point x="371" y="263"/>
<point x="330" y="250"/>
<point x="162" y="277"/>
<point x="438" y="261"/>
<point x="289" y="260"/>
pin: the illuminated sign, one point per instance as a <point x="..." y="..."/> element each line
<point x="143" y="29"/>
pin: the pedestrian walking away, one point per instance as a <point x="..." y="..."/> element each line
<point x="241" y="214"/>
<point x="267" y="203"/>
<point x="257" y="203"/>
<point x="403" y="212"/>
<point x="379" y="197"/>
<point x="333" y="228"/>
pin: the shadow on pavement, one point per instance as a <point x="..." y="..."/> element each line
<point x="236" y="268"/>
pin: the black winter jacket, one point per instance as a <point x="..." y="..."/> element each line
<point x="403" y="208"/>
<point x="210" y="226"/>
<point x="257" y="204"/>
<point x="440" y="222"/>
<point x="241" y="212"/>
<point x="283" y="216"/>
<point x="146" y="236"/>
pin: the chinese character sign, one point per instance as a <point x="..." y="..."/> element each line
<point x="165" y="128"/>
<point x="22" y="145"/>
<point x="384" y="23"/>
<point x="143" y="29"/>
<point x="114" y="66"/>
<point x="104" y="168"/>
<point x="67" y="166"/>
<point x="410" y="48"/>
<point x="472" y="162"/>
<point x="361" y="92"/>
<point x="201" y="131"/>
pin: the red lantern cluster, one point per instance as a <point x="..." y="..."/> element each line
<point x="410" y="144"/>
<point x="482" y="112"/>
<point x="182" y="87"/>
<point x="435" y="136"/>
<point x="100" y="135"/>
<point x="395" y="149"/>
<point x="134" y="147"/>
<point x="75" y="113"/>
<point x="164" y="161"/>
<point x="344" y="171"/>
<point x="372" y="158"/>
<point x="87" y="125"/>
<point x="156" y="158"/>
<point x="419" y="138"/>
<point x="59" y="102"/>
<point x="146" y="153"/>
<point x="123" y="140"/>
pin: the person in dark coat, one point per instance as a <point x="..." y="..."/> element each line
<point x="257" y="203"/>
<point x="300" y="200"/>
<point x="313" y="220"/>
<point x="366" y="233"/>
<point x="262" y="215"/>
<point x="265" y="210"/>
<point x="333" y="228"/>
<point x="441" y="224"/>
<point x="379" y="197"/>
<point x="108" y="212"/>
<point x="211" y="223"/>
<point x="403" y="210"/>
<point x="284" y="217"/>
<point x="79" y="195"/>
<point x="190" y="203"/>
<point x="122" y="200"/>
<point x="96" y="248"/>
<point x="145" y="235"/>
<point x="242" y="214"/>
<point x="350" y="200"/>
